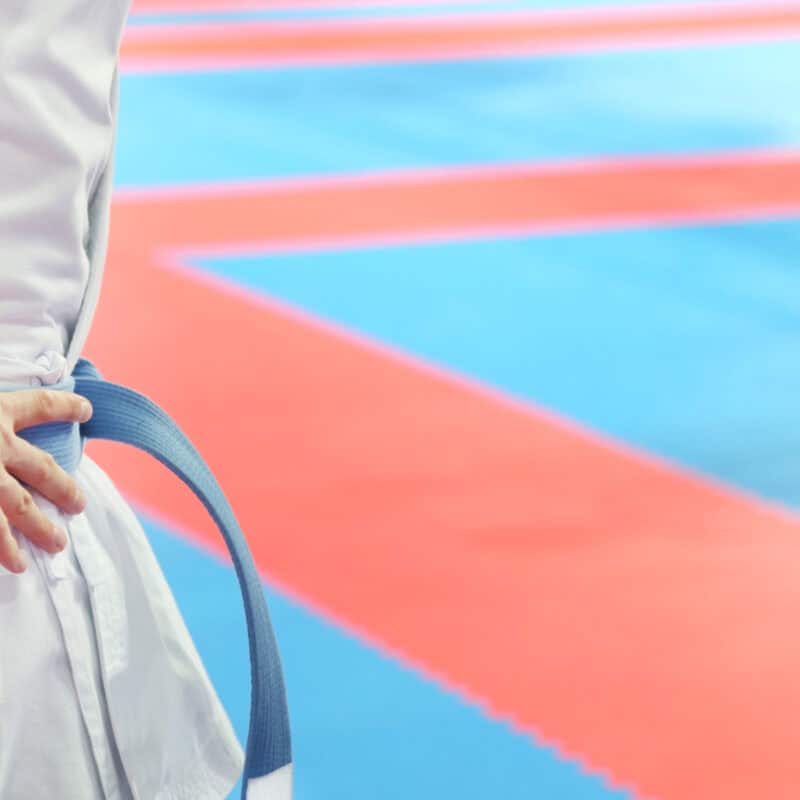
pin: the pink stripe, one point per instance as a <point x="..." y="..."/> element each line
<point x="445" y="236"/>
<point x="147" y="66"/>
<point x="288" y="28"/>
<point x="403" y="177"/>
<point x="700" y="11"/>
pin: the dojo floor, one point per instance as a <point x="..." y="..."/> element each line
<point x="487" y="316"/>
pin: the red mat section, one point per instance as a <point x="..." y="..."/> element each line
<point x="640" y="618"/>
<point x="415" y="205"/>
<point x="453" y="37"/>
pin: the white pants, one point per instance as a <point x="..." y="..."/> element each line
<point x="102" y="693"/>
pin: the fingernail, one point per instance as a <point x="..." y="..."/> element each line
<point x="86" y="411"/>
<point x="79" y="501"/>
<point x="20" y="562"/>
<point x="59" y="538"/>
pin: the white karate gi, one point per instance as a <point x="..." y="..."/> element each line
<point x="102" y="693"/>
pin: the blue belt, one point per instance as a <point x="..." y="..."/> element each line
<point x="122" y="415"/>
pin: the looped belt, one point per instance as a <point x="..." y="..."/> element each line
<point x="122" y="415"/>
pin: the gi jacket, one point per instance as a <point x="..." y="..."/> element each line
<point x="102" y="693"/>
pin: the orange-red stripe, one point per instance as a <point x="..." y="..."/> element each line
<point x="423" y="38"/>
<point x="469" y="201"/>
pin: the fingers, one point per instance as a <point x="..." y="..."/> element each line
<point x="11" y="557"/>
<point x="22" y="512"/>
<point x="21" y="463"/>
<point x="30" y="407"/>
<point x="39" y="470"/>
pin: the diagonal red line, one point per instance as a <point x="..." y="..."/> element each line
<point x="525" y="197"/>
<point x="465" y="36"/>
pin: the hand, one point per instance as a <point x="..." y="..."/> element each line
<point x="23" y="466"/>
